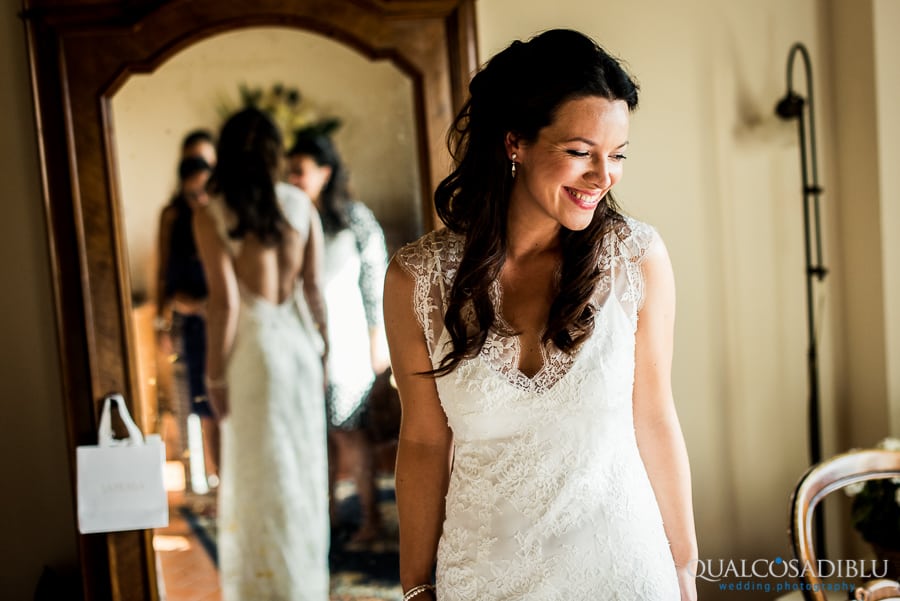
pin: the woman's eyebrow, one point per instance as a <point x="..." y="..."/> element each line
<point x="591" y="142"/>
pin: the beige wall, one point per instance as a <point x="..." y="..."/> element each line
<point x="864" y="387"/>
<point x="151" y="114"/>
<point x="36" y="508"/>
<point x="887" y="88"/>
<point x="718" y="174"/>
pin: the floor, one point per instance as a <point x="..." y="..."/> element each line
<point x="186" y="572"/>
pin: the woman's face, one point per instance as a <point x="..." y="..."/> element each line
<point x="564" y="174"/>
<point x="309" y="176"/>
<point x="194" y="189"/>
<point x="202" y="150"/>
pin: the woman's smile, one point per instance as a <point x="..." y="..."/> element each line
<point x="583" y="199"/>
<point x="567" y="171"/>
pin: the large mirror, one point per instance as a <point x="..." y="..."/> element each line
<point x="110" y="151"/>
<point x="303" y="79"/>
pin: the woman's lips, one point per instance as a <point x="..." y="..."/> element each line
<point x="584" y="200"/>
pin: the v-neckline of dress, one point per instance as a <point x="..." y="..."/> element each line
<point x="550" y="355"/>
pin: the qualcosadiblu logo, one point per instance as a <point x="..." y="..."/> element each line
<point x="715" y="570"/>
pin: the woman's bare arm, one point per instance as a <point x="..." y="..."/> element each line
<point x="423" y="456"/>
<point x="656" y="423"/>
<point x="222" y="306"/>
<point x="164" y="242"/>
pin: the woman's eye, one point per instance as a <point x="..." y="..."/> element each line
<point x="579" y="153"/>
<point x="618" y="157"/>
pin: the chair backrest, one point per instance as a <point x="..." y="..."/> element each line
<point x="818" y="482"/>
<point x="878" y="590"/>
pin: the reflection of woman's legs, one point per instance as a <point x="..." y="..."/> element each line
<point x="211" y="449"/>
<point x="333" y="457"/>
<point x="194" y="344"/>
<point x="352" y="450"/>
<point x="366" y="487"/>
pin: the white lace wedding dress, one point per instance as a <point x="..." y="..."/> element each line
<point x="548" y="497"/>
<point x="273" y="499"/>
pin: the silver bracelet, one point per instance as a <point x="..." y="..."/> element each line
<point x="161" y="324"/>
<point x="215" y="383"/>
<point x="416" y="590"/>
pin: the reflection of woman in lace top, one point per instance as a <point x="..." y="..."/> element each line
<point x="531" y="341"/>
<point x="353" y="279"/>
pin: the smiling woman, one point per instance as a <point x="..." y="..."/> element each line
<point x="532" y="345"/>
<point x="573" y="163"/>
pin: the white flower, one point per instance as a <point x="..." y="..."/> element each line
<point x="854" y="489"/>
<point x="890" y="444"/>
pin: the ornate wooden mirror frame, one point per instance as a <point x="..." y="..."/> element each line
<point x="81" y="52"/>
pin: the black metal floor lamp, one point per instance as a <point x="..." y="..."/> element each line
<point x="794" y="106"/>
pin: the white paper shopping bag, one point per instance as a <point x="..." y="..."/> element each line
<point x="120" y="482"/>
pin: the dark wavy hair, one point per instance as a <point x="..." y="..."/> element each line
<point x="520" y="90"/>
<point x="249" y="155"/>
<point x="335" y="196"/>
<point x="195" y="137"/>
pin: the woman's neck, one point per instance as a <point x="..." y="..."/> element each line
<point x="530" y="235"/>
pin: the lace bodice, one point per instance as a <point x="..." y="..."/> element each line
<point x="548" y="496"/>
<point x="434" y="259"/>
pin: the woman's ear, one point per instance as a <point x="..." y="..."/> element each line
<point x="512" y="143"/>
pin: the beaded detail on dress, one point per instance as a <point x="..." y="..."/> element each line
<point x="548" y="496"/>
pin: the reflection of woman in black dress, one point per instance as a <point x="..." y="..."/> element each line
<point x="181" y="297"/>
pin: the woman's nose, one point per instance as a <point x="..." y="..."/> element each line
<point x="599" y="175"/>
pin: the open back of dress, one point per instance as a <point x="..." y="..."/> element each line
<point x="273" y="499"/>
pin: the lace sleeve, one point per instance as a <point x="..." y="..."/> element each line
<point x="634" y="240"/>
<point x="432" y="261"/>
<point x="373" y="257"/>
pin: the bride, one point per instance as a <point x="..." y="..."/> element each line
<point x="531" y="341"/>
<point x="261" y="242"/>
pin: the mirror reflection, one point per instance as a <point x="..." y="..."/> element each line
<point x="350" y="143"/>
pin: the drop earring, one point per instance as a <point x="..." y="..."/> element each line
<point x="512" y="168"/>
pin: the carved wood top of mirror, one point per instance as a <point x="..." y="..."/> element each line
<point x="81" y="51"/>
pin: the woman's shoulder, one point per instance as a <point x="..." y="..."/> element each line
<point x="295" y="206"/>
<point x="633" y="237"/>
<point x="289" y="194"/>
<point x="443" y="243"/>
<point x="216" y="215"/>
<point x="361" y="219"/>
<point x="438" y="249"/>
<point x="170" y="212"/>
<point x="357" y="209"/>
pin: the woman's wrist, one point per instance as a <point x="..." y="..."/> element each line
<point x="219" y="383"/>
<point x="161" y="324"/>
<point x="420" y="591"/>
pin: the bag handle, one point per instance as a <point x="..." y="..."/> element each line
<point x="105" y="433"/>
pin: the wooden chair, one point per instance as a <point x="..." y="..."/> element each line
<point x="819" y="481"/>
<point x="878" y="590"/>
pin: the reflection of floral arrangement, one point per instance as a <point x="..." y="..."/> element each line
<point x="290" y="110"/>
<point x="876" y="506"/>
